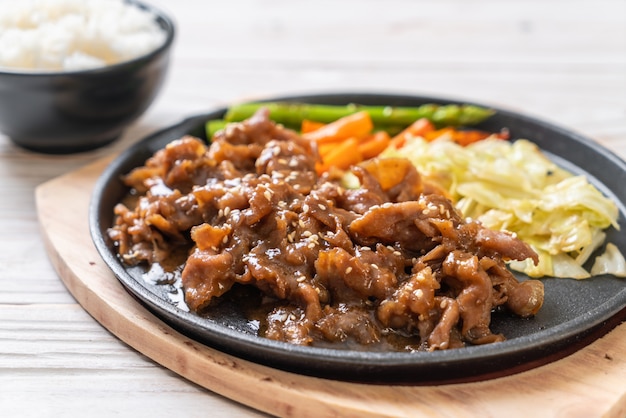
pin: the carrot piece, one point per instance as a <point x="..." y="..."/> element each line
<point x="325" y="147"/>
<point x="342" y="156"/>
<point x="469" y="137"/>
<point x="374" y="144"/>
<point x="464" y="137"/>
<point x="418" y="128"/>
<point x="353" y="125"/>
<point x="432" y="135"/>
<point x="310" y="126"/>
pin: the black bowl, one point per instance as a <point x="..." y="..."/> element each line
<point x="74" y="111"/>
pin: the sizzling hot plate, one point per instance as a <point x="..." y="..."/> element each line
<point x="573" y="310"/>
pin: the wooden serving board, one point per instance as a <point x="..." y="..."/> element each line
<point x="591" y="382"/>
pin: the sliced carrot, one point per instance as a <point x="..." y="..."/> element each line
<point x="325" y="147"/>
<point x="342" y="156"/>
<point x="374" y="144"/>
<point x="434" y="134"/>
<point x="469" y="137"/>
<point x="418" y="128"/>
<point x="310" y="126"/>
<point x="368" y="145"/>
<point x="354" y="125"/>
<point x="461" y="137"/>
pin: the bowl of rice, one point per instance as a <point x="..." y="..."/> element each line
<point x="74" y="74"/>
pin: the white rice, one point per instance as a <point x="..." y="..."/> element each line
<point x="57" y="35"/>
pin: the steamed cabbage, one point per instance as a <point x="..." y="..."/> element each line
<point x="513" y="186"/>
<point x="611" y="262"/>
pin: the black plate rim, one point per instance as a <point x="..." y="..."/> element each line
<point x="350" y="365"/>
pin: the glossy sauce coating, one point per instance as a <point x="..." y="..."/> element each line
<point x="388" y="264"/>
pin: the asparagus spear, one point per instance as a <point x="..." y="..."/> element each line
<point x="292" y="114"/>
<point x="213" y="126"/>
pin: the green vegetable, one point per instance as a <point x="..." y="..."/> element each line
<point x="390" y="118"/>
<point x="292" y="114"/>
<point x="214" y="125"/>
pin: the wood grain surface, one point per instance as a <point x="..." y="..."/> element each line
<point x="589" y="382"/>
<point x="561" y="60"/>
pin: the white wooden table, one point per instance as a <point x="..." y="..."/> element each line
<point x="563" y="61"/>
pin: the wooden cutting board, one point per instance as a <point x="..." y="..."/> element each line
<point x="591" y="382"/>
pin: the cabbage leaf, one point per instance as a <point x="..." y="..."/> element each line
<point x="513" y="186"/>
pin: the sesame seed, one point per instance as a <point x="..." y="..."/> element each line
<point x="322" y="207"/>
<point x="348" y="270"/>
<point x="374" y="266"/>
<point x="226" y="211"/>
<point x="225" y="239"/>
<point x="267" y="195"/>
<point x="387" y="205"/>
<point x="305" y="208"/>
<point x="311" y="245"/>
<point x="306" y="234"/>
